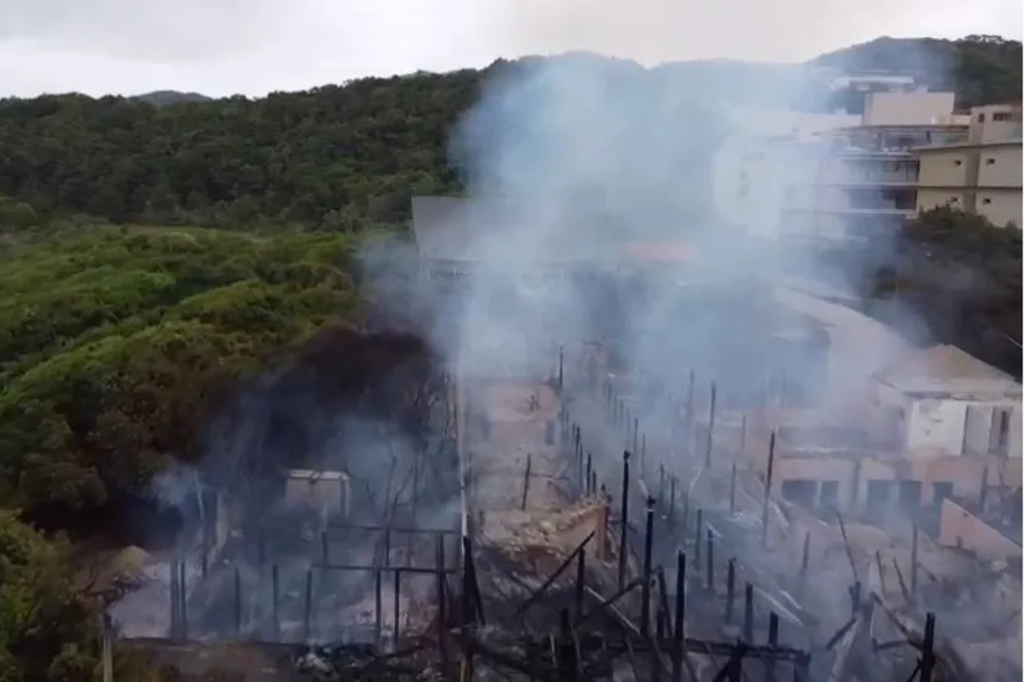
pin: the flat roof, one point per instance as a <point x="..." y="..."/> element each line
<point x="1017" y="142"/>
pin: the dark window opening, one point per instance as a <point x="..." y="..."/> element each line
<point x="1001" y="116"/>
<point x="828" y="496"/>
<point x="799" y="491"/>
<point x="981" y="118"/>
<point x="999" y="442"/>
<point x="941" y="490"/>
<point x="910" y="495"/>
<point x="878" y="495"/>
<point x="990" y="162"/>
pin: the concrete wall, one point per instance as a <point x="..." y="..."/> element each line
<point x="1000" y="207"/>
<point x="945" y="168"/>
<point x="959" y="427"/>
<point x="1000" y="166"/>
<point x="907" y="108"/>
<point x="960" y="528"/>
<point x="854" y="472"/>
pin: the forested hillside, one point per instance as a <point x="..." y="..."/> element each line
<point x="343" y="156"/>
<point x="979" y="69"/>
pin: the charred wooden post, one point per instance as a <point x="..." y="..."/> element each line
<point x="568" y="664"/>
<point x="539" y="592"/>
<point x="442" y="601"/>
<point x="697" y="537"/>
<point x="307" y="611"/>
<point x="732" y="490"/>
<point x="581" y="581"/>
<point x="624" y="520"/>
<point x="928" y="649"/>
<point x="672" y="502"/>
<point x="397" y="606"/>
<point x="645" y="599"/>
<point x="767" y="489"/>
<point x="805" y="560"/>
<point x="275" y="603"/>
<point x="590" y="470"/>
<point x="679" y="630"/>
<point x="711" y="562"/>
<point x="711" y="426"/>
<point x="173" y="632"/>
<point x="748" y="613"/>
<point x="913" y="563"/>
<point x="526" y="481"/>
<point x="689" y="413"/>
<point x="730" y="589"/>
<point x="773" y="641"/>
<point x="609" y="602"/>
<point x="183" y="596"/>
<point x="238" y="601"/>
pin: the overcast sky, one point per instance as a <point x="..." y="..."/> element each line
<point x="221" y="47"/>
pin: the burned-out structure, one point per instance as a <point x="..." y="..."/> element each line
<point x="545" y="505"/>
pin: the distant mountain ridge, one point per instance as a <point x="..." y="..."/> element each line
<point x="162" y="98"/>
<point x="980" y="69"/>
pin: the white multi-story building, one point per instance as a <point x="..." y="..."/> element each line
<point x="846" y="182"/>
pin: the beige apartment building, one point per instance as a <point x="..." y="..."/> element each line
<point x="981" y="174"/>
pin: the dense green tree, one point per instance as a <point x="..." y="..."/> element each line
<point x="962" y="275"/>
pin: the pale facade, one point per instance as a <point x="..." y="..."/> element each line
<point x="983" y="173"/>
<point x="852" y="182"/>
<point x="941" y="424"/>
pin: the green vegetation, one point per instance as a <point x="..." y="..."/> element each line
<point x="979" y="69"/>
<point x="962" y="275"/>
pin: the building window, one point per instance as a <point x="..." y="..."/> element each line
<point x="941" y="490"/>
<point x="1001" y="116"/>
<point x="981" y="118"/>
<point x="999" y="439"/>
<point x="990" y="162"/>
<point x="828" y="495"/>
<point x="799" y="491"/>
<point x="910" y="495"/>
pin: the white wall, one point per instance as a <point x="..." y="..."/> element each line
<point x="937" y="426"/>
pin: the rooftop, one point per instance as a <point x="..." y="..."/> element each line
<point x="947" y="371"/>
